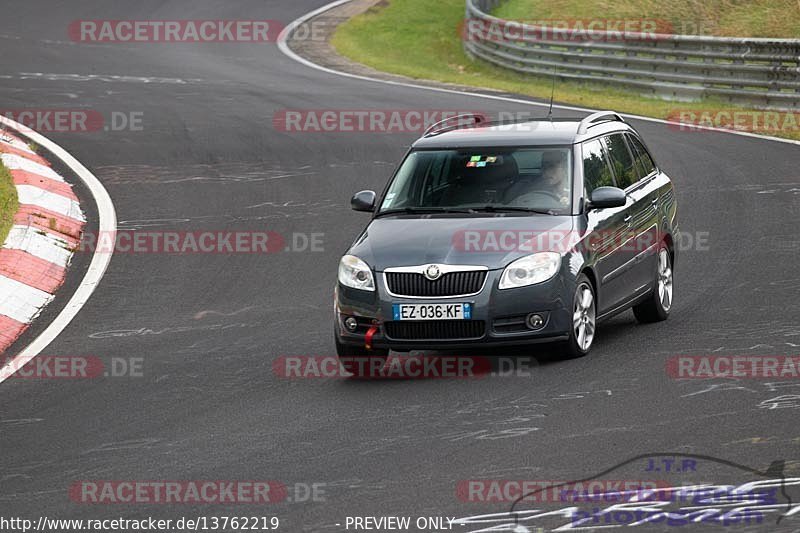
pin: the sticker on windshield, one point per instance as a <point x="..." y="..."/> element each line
<point x="483" y="160"/>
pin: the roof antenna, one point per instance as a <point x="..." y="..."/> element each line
<point x="552" y="94"/>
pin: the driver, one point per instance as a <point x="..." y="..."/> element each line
<point x="554" y="175"/>
<point x="553" y="182"/>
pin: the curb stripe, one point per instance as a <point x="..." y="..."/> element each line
<point x="61" y="188"/>
<point x="21" y="302"/>
<point x="49" y="221"/>
<point x="10" y="329"/>
<point x="13" y="140"/>
<point x="47" y="246"/>
<point x="35" y="255"/>
<point x="25" y="268"/>
<point x="15" y="162"/>
<point x="13" y="150"/>
<point x="31" y="195"/>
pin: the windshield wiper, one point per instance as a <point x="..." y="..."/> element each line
<point x="469" y="210"/>
<point x="510" y="208"/>
<point x="423" y="210"/>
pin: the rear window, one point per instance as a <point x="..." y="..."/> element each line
<point x="644" y="162"/>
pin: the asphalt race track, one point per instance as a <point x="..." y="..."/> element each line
<point x="207" y="327"/>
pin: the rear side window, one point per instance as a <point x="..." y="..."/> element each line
<point x="596" y="172"/>
<point x="621" y="160"/>
<point x="643" y="160"/>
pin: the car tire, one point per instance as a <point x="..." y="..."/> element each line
<point x="584" y="320"/>
<point x="360" y="362"/>
<point x="657" y="306"/>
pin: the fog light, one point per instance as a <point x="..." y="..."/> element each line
<point x="535" y="321"/>
<point x="351" y="323"/>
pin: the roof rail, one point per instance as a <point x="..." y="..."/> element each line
<point x="439" y="128"/>
<point x="589" y="121"/>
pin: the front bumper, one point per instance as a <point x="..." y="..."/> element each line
<point x="502" y="313"/>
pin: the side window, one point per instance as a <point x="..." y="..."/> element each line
<point x="643" y="160"/>
<point x="621" y="160"/>
<point x="596" y="172"/>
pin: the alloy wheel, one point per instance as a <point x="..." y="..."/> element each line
<point x="583" y="317"/>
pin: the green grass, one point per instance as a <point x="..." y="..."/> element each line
<point x="8" y="202"/>
<point x="733" y="18"/>
<point x="420" y="39"/>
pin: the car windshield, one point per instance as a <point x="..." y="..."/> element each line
<point x="490" y="179"/>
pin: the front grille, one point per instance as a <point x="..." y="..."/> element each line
<point x="450" y="284"/>
<point x="435" y="329"/>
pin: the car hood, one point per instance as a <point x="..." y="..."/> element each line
<point x="483" y="241"/>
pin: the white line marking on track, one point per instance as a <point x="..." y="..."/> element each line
<point x="101" y="77"/>
<point x="97" y="268"/>
<point x="284" y="47"/>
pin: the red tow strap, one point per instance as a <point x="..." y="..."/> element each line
<point x="368" y="337"/>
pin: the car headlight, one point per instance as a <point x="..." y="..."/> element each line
<point x="530" y="270"/>
<point x="355" y="273"/>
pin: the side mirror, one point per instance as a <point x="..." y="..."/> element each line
<point x="603" y="197"/>
<point x="363" y="201"/>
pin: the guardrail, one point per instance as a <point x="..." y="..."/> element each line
<point x="755" y="72"/>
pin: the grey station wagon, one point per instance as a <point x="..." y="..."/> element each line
<point x="508" y="234"/>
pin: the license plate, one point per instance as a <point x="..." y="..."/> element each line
<point x="432" y="311"/>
